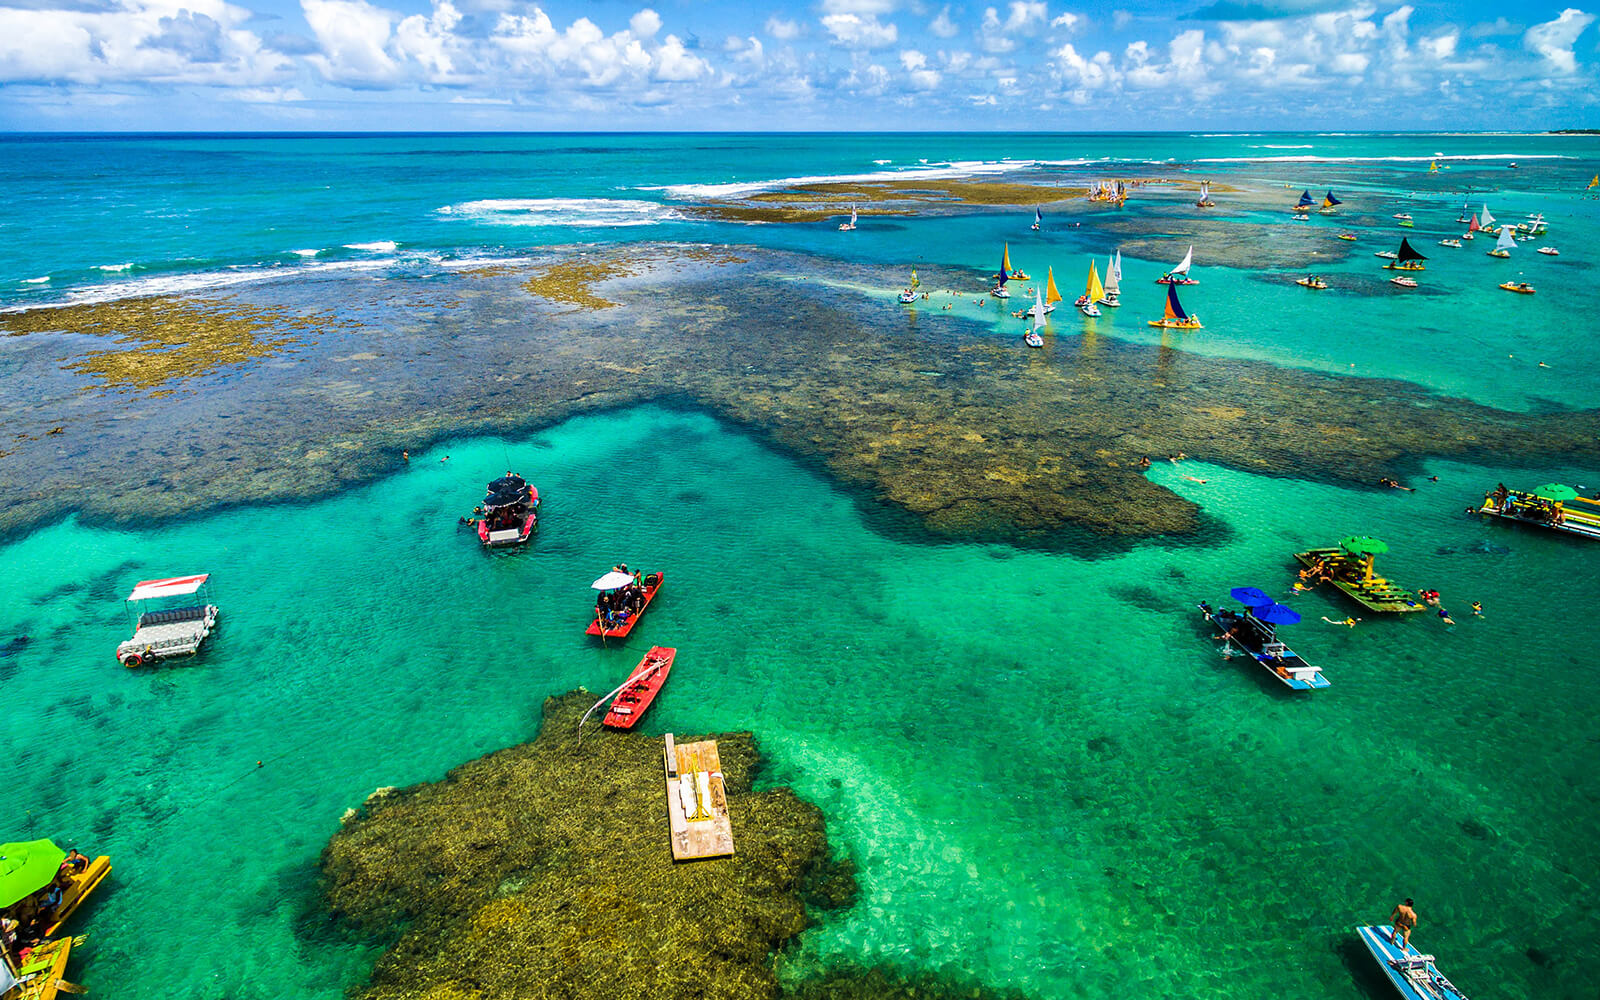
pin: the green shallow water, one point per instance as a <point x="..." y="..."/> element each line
<point x="1049" y="778"/>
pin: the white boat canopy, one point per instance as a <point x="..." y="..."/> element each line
<point x="171" y="587"/>
<point x="612" y="580"/>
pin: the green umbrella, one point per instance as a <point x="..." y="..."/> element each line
<point x="26" y="868"/>
<point x="1556" y="492"/>
<point x="1363" y="545"/>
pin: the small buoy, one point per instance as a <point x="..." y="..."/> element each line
<point x="258" y="763"/>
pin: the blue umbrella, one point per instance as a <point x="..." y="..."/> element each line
<point x="1277" y="614"/>
<point x="1251" y="597"/>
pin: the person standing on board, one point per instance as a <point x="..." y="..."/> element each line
<point x="1404" y="919"/>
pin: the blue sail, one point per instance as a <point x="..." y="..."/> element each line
<point x="1305" y="199"/>
<point x="1330" y="200"/>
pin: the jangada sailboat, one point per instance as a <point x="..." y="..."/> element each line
<point x="1038" y="218"/>
<point x="1305" y="202"/>
<point x="1175" y="318"/>
<point x="999" y="290"/>
<point x="1205" y="196"/>
<point x="1472" y="228"/>
<point x="1485" y="220"/>
<point x="1180" y="274"/>
<point x="1005" y="265"/>
<point x="1407" y="259"/>
<point x="1093" y="293"/>
<point x="1113" y="281"/>
<point x="1046" y="304"/>
<point x="1032" y="338"/>
<point x="845" y="227"/>
<point x="910" y="295"/>
<point x="1503" y="246"/>
<point x="1466" y="212"/>
<point x="1328" y="204"/>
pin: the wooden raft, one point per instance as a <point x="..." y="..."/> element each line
<point x="697" y="803"/>
<point x="41" y="974"/>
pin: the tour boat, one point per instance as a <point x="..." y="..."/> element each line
<point x="1312" y="281"/>
<point x="1407" y="259"/>
<point x="909" y="294"/>
<point x="1175" y="318"/>
<point x="1350" y="570"/>
<point x="651" y="585"/>
<point x="1505" y="244"/>
<point x="510" y="512"/>
<point x="1520" y="287"/>
<point x="1403" y="281"/>
<point x="1410" y="971"/>
<point x="1554" y="506"/>
<point x="1549" y="251"/>
<point x="629" y="706"/>
<point x="167" y="631"/>
<point x="1180" y="274"/>
<point x="845" y="227"/>
<point x="1254" y="630"/>
<point x="1450" y="243"/>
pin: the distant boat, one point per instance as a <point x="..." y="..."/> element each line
<point x="1472" y="228"/>
<point x="1312" y="281"/>
<point x="1113" y="281"/>
<point x="910" y="293"/>
<point x="1504" y="245"/>
<point x="1347" y="236"/>
<point x="1092" y="294"/>
<point x="1305" y="202"/>
<point x="1485" y="220"/>
<point x="1520" y="287"/>
<point x="1038" y="217"/>
<point x="1433" y="167"/>
<point x="1174" y="317"/>
<point x="1466" y="213"/>
<point x="1387" y="255"/>
<point x="1005" y="265"/>
<point x="999" y="289"/>
<point x="845" y="227"/>
<point x="1047" y="304"/>
<point x="1205" y="196"/>
<point x="1402" y="216"/>
<point x="1407" y="259"/>
<point x="1329" y="203"/>
<point x="1450" y="243"/>
<point x="1406" y="223"/>
<point x="1594" y="183"/>
<point x="1180" y="274"/>
<point x="1301" y="217"/>
<point x="1550" y="251"/>
<point x="1403" y="281"/>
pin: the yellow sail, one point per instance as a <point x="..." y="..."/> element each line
<point x="1050" y="294"/>
<point x="1433" y="166"/>
<point x="1596" y="182"/>
<point x="1005" y="262"/>
<point x="1096" y="291"/>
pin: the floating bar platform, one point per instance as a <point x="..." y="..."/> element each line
<point x="697" y="803"/>
<point x="1525" y="508"/>
<point x="1349" y="575"/>
<point x="83" y="883"/>
<point x="40" y="976"/>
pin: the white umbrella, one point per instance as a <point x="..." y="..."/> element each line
<point x="612" y="580"/>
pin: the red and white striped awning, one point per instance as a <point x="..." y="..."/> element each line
<point x="172" y="587"/>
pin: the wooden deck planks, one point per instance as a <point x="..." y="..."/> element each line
<point x="697" y="802"/>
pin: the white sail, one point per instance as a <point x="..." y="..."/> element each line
<point x="1188" y="261"/>
<point x="1038" y="310"/>
<point x="1117" y="268"/>
<point x="1113" y="283"/>
<point x="852" y="215"/>
<point x="1484" y="218"/>
<point x="1507" y="240"/>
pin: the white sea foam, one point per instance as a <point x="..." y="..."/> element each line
<point x="305" y="253"/>
<point x="883" y="163"/>
<point x="1268" y="145"/>
<point x="1381" y="159"/>
<point x="113" y="267"/>
<point x="596" y="212"/>
<point x="377" y="246"/>
<point x="942" y="171"/>
<point x="35" y="281"/>
<point x="197" y="281"/>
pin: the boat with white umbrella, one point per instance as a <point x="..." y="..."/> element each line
<point x="623" y="598"/>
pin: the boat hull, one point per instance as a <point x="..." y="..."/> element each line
<point x="630" y="704"/>
<point x="83" y="883"/>
<point x="622" y="631"/>
<point x="1260" y="644"/>
<point x="1168" y="324"/>
<point x="1523" y="509"/>
<point x="1388" y="954"/>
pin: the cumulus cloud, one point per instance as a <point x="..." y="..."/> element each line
<point x="1552" y="41"/>
<point x="781" y="29"/>
<point x="919" y="76"/>
<point x="645" y="24"/>
<point x="942" y="25"/>
<point x="858" y="32"/>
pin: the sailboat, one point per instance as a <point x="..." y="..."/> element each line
<point x="1175" y="318"/>
<point x="1472" y="227"/>
<point x="1503" y="246"/>
<point x="1180" y="274"/>
<point x="910" y="292"/>
<point x="1305" y="202"/>
<point x="845" y="227"/>
<point x="1038" y="217"/>
<point x="1113" y="280"/>
<point x="1466" y="212"/>
<point x="1205" y="196"/>
<point x="1032" y="338"/>
<point x="999" y="289"/>
<point x="1005" y="265"/>
<point x="1594" y="183"/>
<point x="1328" y="203"/>
<point x="1407" y="259"/>
<point x="1051" y="295"/>
<point x="1485" y="220"/>
<point x="1433" y="166"/>
<point x="1093" y="293"/>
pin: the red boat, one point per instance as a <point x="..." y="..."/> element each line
<point x="630" y="703"/>
<point x="620" y="627"/>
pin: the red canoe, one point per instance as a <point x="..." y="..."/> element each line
<point x="630" y="703"/>
<point x="652" y="583"/>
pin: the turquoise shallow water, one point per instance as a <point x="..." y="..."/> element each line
<point x="1048" y="776"/>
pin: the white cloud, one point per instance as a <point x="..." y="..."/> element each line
<point x="353" y="36"/>
<point x="918" y="74"/>
<point x="1553" y="40"/>
<point x="781" y="29"/>
<point x="943" y="26"/>
<point x="857" y="32"/>
<point x="1066" y="21"/>
<point x="867" y="8"/>
<point x="645" y="24"/>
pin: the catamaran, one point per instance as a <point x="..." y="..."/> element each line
<point x="1038" y="217"/>
<point x="1504" y="245"/>
<point x="910" y="293"/>
<point x="845" y="227"/>
<point x="1113" y="281"/>
<point x="1407" y="259"/>
<point x="1328" y="203"/>
<point x="1092" y="293"/>
<point x="1175" y="318"/>
<point x="1180" y="274"/>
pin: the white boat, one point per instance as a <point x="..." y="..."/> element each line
<point x="1038" y="310"/>
<point x="1505" y="244"/>
<point x="164" y="628"/>
<point x="1113" y="281"/>
<point x="846" y="227"/>
<point x="1301" y="217"/>
<point x="910" y="294"/>
<point x="1466" y="213"/>
<point x="1093" y="293"/>
<point x="1450" y="243"/>
<point x="1403" y="281"/>
<point x="1047" y="304"/>
<point x="1402" y="216"/>
<point x="1412" y="973"/>
<point x="1386" y="254"/>
<point x="1549" y="251"/>
<point x="1180" y="274"/>
<point x="1032" y="339"/>
<point x="1000" y="292"/>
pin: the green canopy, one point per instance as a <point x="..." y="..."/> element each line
<point x="1363" y="545"/>
<point x="1556" y="492"/>
<point x="26" y="868"/>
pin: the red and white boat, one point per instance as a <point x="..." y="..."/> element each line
<point x="614" y="622"/>
<point x="510" y="512"/>
<point x="640" y="689"/>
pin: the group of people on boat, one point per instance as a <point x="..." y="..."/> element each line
<point x="615" y="607"/>
<point x="1526" y="506"/>
<point x="23" y="924"/>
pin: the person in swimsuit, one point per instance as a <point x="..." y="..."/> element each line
<point x="1404" y="919"/>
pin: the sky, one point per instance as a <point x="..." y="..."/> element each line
<point x="735" y="65"/>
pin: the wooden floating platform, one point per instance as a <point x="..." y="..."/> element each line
<point x="1525" y="508"/>
<point x="1376" y="594"/>
<point x="697" y="803"/>
<point x="40" y="976"/>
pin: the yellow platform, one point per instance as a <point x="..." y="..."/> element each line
<point x="82" y="884"/>
<point x="697" y="802"/>
<point x="41" y="974"/>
